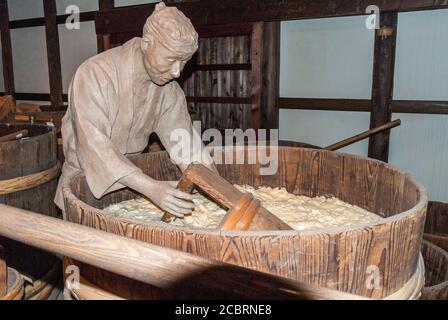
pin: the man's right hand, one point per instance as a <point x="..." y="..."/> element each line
<point x="170" y="199"/>
<point x="162" y="193"/>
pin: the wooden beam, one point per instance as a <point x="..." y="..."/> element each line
<point x="7" y="59"/>
<point x="39" y="22"/>
<point x="364" y="105"/>
<point x="53" y="52"/>
<point x="211" y="67"/>
<point x="227" y="100"/>
<point x="326" y="104"/>
<point x="398" y="106"/>
<point x="103" y="41"/>
<point x="383" y="84"/>
<point x="173" y="271"/>
<point x="256" y="60"/>
<point x="419" y="106"/>
<point x="208" y="12"/>
<point x="270" y="76"/>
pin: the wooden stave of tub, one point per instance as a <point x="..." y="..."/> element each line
<point x="25" y="157"/>
<point x="325" y="257"/>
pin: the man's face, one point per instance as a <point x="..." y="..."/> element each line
<point x="162" y="64"/>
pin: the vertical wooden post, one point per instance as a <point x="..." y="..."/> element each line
<point x="3" y="274"/>
<point x="103" y="41"/>
<point x="53" y="52"/>
<point x="8" y="72"/>
<point x="383" y="83"/>
<point x="256" y="58"/>
<point x="270" y="76"/>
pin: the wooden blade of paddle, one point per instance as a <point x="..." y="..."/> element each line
<point x="225" y="194"/>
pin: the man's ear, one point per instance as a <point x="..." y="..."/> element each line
<point x="146" y="42"/>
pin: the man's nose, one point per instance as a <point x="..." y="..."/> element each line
<point x="176" y="69"/>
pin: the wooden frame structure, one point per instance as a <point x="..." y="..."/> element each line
<point x="117" y="22"/>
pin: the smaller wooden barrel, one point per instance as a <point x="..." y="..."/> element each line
<point x="29" y="170"/>
<point x="436" y="272"/>
<point x="15" y="286"/>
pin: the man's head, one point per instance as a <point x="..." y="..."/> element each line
<point x="169" y="41"/>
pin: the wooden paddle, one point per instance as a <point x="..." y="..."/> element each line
<point x="245" y="212"/>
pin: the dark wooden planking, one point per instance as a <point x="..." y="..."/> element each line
<point x="230" y="100"/>
<point x="53" y="52"/>
<point x="325" y="104"/>
<point x="270" y="76"/>
<point x="234" y="11"/>
<point x="234" y="66"/>
<point x="224" y="30"/>
<point x="383" y="84"/>
<point x="7" y="58"/>
<point x="437" y="218"/>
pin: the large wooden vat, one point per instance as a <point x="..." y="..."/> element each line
<point x="340" y="258"/>
<point x="29" y="170"/>
<point x="436" y="272"/>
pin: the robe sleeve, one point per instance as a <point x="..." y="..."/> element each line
<point x="175" y="116"/>
<point x="91" y="94"/>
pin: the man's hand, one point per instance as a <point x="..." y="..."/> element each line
<point x="170" y="199"/>
<point x="163" y="193"/>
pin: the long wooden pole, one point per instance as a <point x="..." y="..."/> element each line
<point x="180" y="274"/>
<point x="14" y="136"/>
<point x="363" y="135"/>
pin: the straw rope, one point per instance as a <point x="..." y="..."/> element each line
<point x="29" y="181"/>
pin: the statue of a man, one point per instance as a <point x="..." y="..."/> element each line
<point x="121" y="96"/>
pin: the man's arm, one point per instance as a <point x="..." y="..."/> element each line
<point x="177" y="134"/>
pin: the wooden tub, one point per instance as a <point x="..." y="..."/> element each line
<point x="343" y="258"/>
<point x="29" y="170"/>
<point x="436" y="272"/>
<point x="15" y="286"/>
<point x="436" y="226"/>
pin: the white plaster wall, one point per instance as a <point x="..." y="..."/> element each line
<point x="326" y="58"/>
<point x="332" y="58"/>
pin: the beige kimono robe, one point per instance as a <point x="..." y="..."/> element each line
<point x="113" y="109"/>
